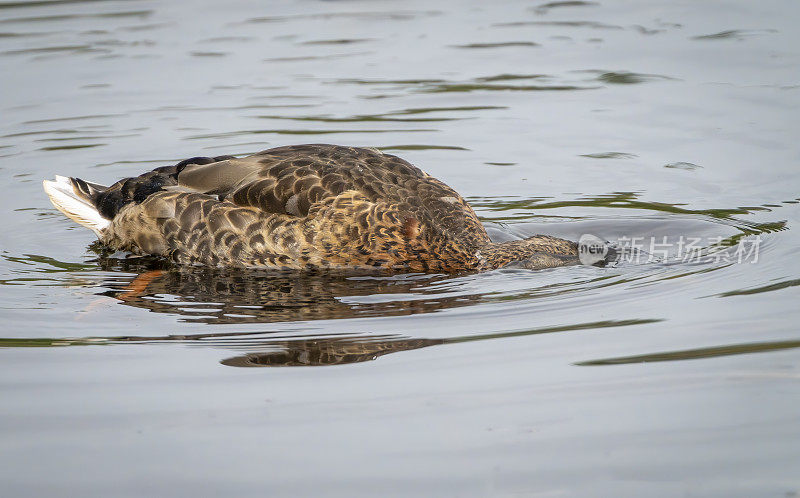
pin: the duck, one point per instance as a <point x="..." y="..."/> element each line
<point x="299" y="207"/>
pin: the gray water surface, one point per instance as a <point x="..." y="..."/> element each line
<point x="657" y="123"/>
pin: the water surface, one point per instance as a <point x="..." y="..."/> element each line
<point x="658" y="124"/>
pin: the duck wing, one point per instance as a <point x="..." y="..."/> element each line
<point x="291" y="180"/>
<point x="303" y="180"/>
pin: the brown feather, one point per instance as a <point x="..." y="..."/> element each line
<point x="311" y="207"/>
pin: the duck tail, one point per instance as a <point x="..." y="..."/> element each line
<point x="77" y="200"/>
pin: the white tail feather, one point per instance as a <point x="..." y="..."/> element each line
<point x="78" y="209"/>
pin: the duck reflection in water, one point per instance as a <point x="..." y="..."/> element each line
<point x="239" y="296"/>
<point x="320" y="352"/>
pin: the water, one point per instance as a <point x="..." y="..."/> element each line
<point x="659" y="376"/>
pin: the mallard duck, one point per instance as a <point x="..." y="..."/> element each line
<point x="299" y="207"/>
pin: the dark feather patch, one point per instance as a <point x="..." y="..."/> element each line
<point x="137" y="189"/>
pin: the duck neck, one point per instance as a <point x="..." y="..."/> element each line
<point x="539" y="251"/>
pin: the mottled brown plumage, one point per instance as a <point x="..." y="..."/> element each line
<point x="306" y="207"/>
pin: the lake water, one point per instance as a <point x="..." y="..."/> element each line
<point x="664" y="125"/>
